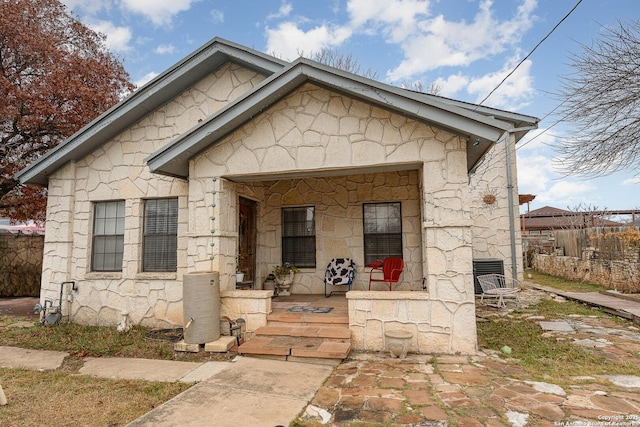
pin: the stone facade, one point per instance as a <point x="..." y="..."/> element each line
<point x="490" y="208"/>
<point x="117" y="171"/>
<point x="339" y="227"/>
<point x="313" y="147"/>
<point x="20" y="265"/>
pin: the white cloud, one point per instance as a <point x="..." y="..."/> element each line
<point x="516" y="89"/>
<point x="165" y="49"/>
<point x="513" y="94"/>
<point x="395" y="18"/>
<point x="145" y="79"/>
<point x="632" y="181"/>
<point x="436" y="42"/>
<point x="118" y="38"/>
<point x="289" y="41"/>
<point x="451" y="85"/>
<point x="217" y="16"/>
<point x="541" y="138"/>
<point x="160" y="12"/>
<point x="568" y="192"/>
<point x="285" y="10"/>
<point x="534" y="174"/>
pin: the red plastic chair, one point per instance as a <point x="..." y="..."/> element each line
<point x="391" y="271"/>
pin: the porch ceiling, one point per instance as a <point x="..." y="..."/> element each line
<point x="293" y="174"/>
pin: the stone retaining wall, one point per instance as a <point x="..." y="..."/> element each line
<point x="623" y="276"/>
<point x="252" y="306"/>
<point x="437" y="326"/>
<point x="20" y="265"/>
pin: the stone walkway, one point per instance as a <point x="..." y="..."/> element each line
<point x="488" y="389"/>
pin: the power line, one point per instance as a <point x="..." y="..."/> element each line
<point x="530" y="53"/>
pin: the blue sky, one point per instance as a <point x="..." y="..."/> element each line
<point x="465" y="47"/>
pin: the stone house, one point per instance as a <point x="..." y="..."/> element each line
<point x="233" y="156"/>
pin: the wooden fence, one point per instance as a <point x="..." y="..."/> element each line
<point x="574" y="242"/>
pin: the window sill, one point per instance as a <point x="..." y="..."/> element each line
<point x="157" y="276"/>
<point x="104" y="275"/>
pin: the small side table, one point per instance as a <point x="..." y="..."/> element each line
<point x="246" y="284"/>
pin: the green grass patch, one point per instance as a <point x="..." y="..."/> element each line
<point x="562" y="284"/>
<point x="546" y="357"/>
<point x="554" y="309"/>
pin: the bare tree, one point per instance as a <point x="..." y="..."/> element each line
<point x="417" y="86"/>
<point x="341" y="61"/>
<point x="345" y="62"/>
<point x="585" y="215"/>
<point x="602" y="101"/>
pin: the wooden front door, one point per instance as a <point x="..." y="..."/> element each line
<point x="247" y="238"/>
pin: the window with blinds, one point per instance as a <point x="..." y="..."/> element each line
<point x="108" y="236"/>
<point x="382" y="231"/>
<point x="160" y="235"/>
<point x="299" y="236"/>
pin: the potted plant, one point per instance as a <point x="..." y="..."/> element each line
<point x="239" y="274"/>
<point x="284" y="277"/>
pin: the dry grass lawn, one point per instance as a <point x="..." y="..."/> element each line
<point x="62" y="398"/>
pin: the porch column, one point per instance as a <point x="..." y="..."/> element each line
<point x="212" y="234"/>
<point x="448" y="253"/>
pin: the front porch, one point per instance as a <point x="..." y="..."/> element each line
<point x="307" y="325"/>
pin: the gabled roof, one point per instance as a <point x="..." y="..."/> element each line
<point x="149" y="97"/>
<point x="173" y="159"/>
<point x="482" y="126"/>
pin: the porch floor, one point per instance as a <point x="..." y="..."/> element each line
<point x="301" y="309"/>
<point x="303" y="327"/>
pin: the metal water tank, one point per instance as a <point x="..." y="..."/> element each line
<point x="201" y="307"/>
<point x="485" y="266"/>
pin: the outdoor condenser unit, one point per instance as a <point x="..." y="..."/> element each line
<point x="486" y="266"/>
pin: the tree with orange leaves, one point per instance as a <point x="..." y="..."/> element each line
<point x="56" y="75"/>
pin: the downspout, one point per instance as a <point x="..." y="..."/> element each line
<point x="512" y="229"/>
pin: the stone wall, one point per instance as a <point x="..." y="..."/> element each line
<point x="252" y="306"/>
<point x="435" y="327"/>
<point x="20" y="265"/>
<point x="490" y="208"/>
<point x="621" y="275"/>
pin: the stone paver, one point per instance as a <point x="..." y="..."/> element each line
<point x="488" y="389"/>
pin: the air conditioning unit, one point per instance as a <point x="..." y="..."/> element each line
<point x="486" y="266"/>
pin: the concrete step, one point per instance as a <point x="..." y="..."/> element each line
<point x="307" y="331"/>
<point x="295" y="347"/>
<point x="283" y="318"/>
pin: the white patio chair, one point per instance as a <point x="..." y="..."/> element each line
<point x="499" y="287"/>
